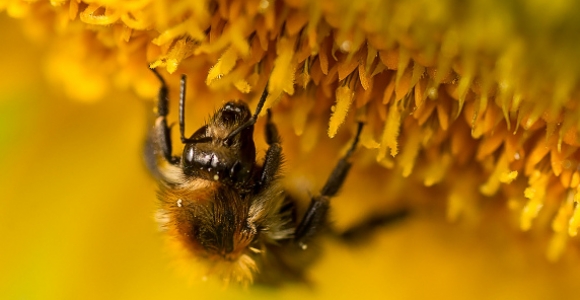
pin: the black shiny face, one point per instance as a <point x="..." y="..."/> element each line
<point x="214" y="155"/>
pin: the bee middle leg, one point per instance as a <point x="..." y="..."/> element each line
<point x="315" y="217"/>
<point x="273" y="157"/>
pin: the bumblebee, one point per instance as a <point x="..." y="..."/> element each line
<point x="220" y="204"/>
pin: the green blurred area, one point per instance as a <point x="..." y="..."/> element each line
<point x="76" y="218"/>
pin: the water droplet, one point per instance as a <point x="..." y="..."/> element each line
<point x="346" y="46"/>
<point x="264" y="4"/>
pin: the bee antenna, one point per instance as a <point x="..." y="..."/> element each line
<point x="182" y="109"/>
<point x="185" y="140"/>
<point x="254" y="117"/>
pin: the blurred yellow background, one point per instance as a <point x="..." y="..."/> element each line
<point x="76" y="217"/>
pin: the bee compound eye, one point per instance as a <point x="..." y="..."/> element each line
<point x="188" y="154"/>
<point x="232" y="106"/>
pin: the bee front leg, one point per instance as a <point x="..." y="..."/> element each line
<point x="315" y="217"/>
<point x="158" y="144"/>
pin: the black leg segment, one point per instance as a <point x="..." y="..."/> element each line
<point x="273" y="157"/>
<point x="315" y="217"/>
<point x="364" y="230"/>
<point x="339" y="173"/>
<point x="271" y="131"/>
<point x="161" y="134"/>
<point x="162" y="100"/>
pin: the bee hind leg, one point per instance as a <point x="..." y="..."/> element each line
<point x="363" y="231"/>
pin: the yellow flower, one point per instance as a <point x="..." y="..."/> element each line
<point x="468" y="106"/>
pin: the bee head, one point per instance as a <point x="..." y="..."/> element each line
<point x="215" y="154"/>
